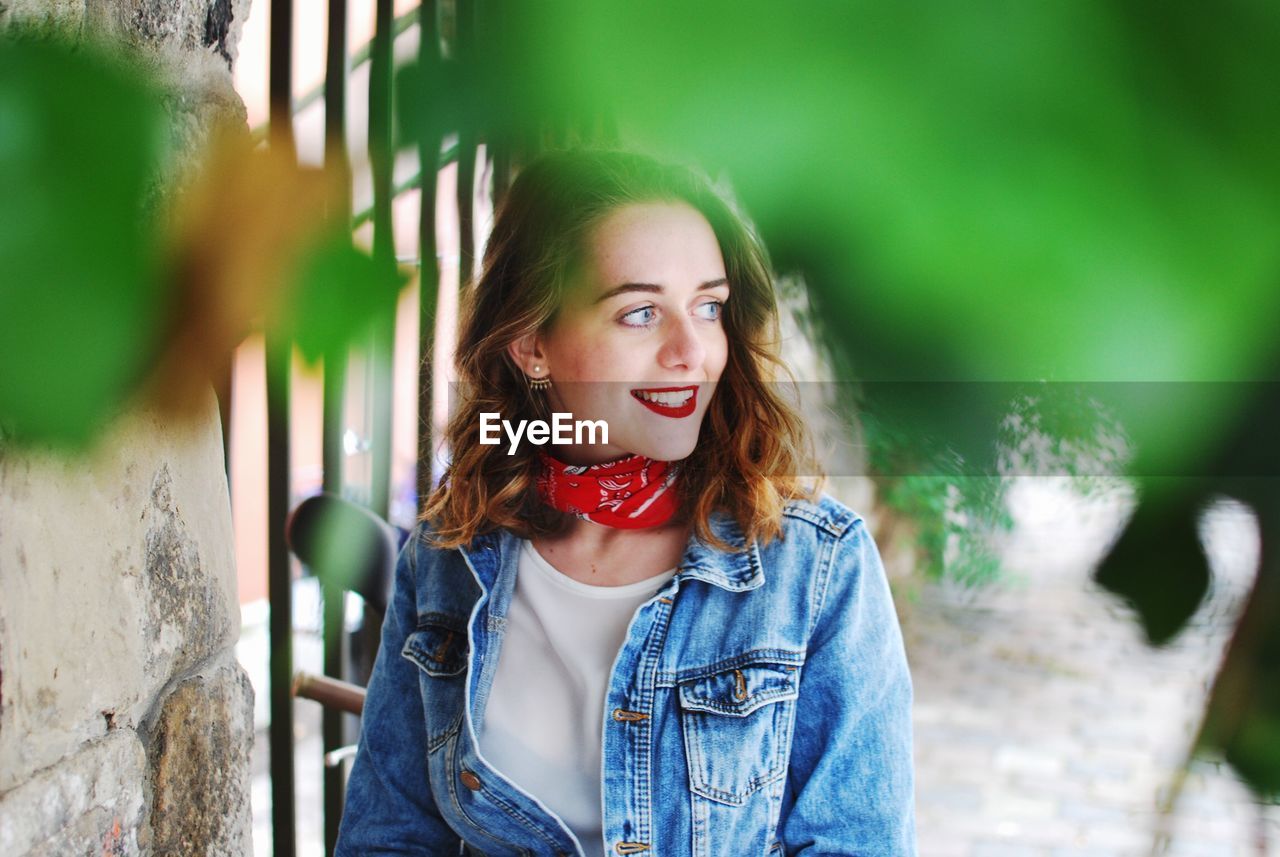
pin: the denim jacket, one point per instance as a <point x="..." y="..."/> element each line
<point x="760" y="704"/>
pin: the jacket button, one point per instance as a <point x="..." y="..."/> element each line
<point x="470" y="780"/>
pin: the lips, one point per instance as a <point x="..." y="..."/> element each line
<point x="674" y="402"/>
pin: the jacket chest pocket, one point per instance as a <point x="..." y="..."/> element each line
<point x="737" y="728"/>
<point x="439" y="647"/>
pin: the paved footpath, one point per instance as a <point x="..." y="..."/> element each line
<point x="1045" y="726"/>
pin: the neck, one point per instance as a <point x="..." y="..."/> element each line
<point x="608" y="556"/>
<point x="583" y="455"/>
<point x="599" y="538"/>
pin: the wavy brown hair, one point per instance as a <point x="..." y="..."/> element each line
<point x="752" y="449"/>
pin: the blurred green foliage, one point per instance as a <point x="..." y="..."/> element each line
<point x="338" y="291"/>
<point x="954" y="518"/>
<point x="1082" y="191"/>
<point x="1066" y="191"/>
<point x="108" y="280"/>
<point x="82" y="138"/>
<point x="1161" y="568"/>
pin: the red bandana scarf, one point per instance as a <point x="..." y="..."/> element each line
<point x="632" y="493"/>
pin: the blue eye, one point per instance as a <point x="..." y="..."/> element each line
<point x="636" y="319"/>
<point x="716" y="308"/>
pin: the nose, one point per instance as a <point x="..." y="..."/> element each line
<point x="682" y="348"/>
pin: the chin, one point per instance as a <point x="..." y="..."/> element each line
<point x="670" y="450"/>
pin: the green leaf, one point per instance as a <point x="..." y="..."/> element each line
<point x="1254" y="750"/>
<point x="1013" y="195"/>
<point x="337" y="292"/>
<point x="80" y="297"/>
<point x="1158" y="564"/>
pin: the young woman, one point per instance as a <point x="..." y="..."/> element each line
<point x="659" y="642"/>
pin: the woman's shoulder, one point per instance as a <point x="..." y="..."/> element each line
<point x="825" y="550"/>
<point x="816" y="533"/>
<point x="427" y="536"/>
<point x="825" y="513"/>
<point x="426" y="550"/>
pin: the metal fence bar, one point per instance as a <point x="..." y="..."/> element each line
<point x="466" y="206"/>
<point x="501" y="134"/>
<point x="280" y="596"/>
<point x="447" y="156"/>
<point x="278" y="357"/>
<point x="358" y="58"/>
<point x="333" y="728"/>
<point x="278" y="360"/>
<point x="464" y="57"/>
<point x="336" y="160"/>
<point x="382" y="344"/>
<point x="428" y="266"/>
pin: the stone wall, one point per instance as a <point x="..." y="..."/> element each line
<point x="125" y="721"/>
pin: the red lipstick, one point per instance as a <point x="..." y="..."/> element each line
<point x="677" y="405"/>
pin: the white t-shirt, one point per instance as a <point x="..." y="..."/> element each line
<point x="542" y="723"/>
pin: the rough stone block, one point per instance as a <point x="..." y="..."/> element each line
<point x="90" y="803"/>
<point x="199" y="758"/>
<point x="65" y="15"/>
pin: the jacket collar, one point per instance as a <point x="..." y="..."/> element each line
<point x="736" y="571"/>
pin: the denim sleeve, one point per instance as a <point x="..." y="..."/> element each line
<point x="849" y="785"/>
<point x="389" y="807"/>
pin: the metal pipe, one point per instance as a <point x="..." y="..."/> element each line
<point x="329" y="692"/>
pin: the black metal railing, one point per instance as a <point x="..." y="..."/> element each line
<point x="278" y="358"/>
<point x="447" y="51"/>
<point x="337" y="727"/>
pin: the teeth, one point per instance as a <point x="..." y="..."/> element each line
<point x="670" y="400"/>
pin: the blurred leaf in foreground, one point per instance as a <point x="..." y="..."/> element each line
<point x="239" y="232"/>
<point x="81" y="143"/>
<point x="256" y="246"/>
<point x="336" y="292"/>
<point x="1158" y="565"/>
<point x="1065" y="191"/>
<point x="110" y="280"/>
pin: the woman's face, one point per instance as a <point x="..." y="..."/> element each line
<point x="639" y="342"/>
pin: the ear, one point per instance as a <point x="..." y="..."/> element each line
<point x="527" y="353"/>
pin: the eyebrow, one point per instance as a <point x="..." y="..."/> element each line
<point x="652" y="288"/>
